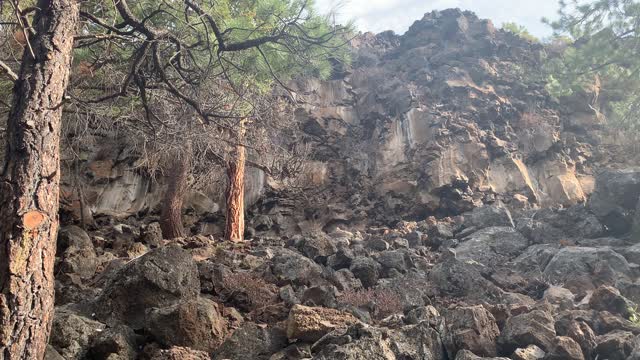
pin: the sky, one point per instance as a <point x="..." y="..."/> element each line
<point x="398" y="15"/>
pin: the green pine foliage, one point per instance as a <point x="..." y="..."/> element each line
<point x="605" y="48"/>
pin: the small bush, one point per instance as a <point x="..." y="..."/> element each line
<point x="382" y="302"/>
<point x="249" y="291"/>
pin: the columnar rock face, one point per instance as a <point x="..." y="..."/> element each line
<point x="439" y="120"/>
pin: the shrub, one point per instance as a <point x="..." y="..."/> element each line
<point x="382" y="302"/>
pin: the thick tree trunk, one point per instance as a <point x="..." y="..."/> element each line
<point x="171" y="217"/>
<point x="29" y="184"/>
<point x="234" y="229"/>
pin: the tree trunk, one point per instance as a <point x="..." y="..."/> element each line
<point x="171" y="217"/>
<point x="29" y="184"/>
<point x="234" y="229"/>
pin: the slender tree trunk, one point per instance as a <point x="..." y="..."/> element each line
<point x="234" y="228"/>
<point x="171" y="217"/>
<point x="29" y="184"/>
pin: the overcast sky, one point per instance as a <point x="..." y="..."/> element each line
<point x="398" y="15"/>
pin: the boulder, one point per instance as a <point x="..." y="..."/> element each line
<point x="577" y="268"/>
<point x="365" y="342"/>
<point x="311" y="323"/>
<point x="471" y="328"/>
<point x="534" y="328"/>
<point x="161" y="278"/>
<point x="608" y="298"/>
<point x="489" y="216"/>
<point x="197" y="324"/>
<point x="252" y="341"/>
<point x="615" y="199"/>
<point x="468" y="355"/>
<point x="180" y="353"/>
<point x="579" y="331"/>
<point x="366" y="270"/>
<point x="492" y="247"/>
<point x="71" y="334"/>
<point x="291" y="267"/>
<point x="564" y="348"/>
<point x="616" y="345"/>
<point x="531" y="352"/>
<point x="318" y="248"/>
<point x="117" y="343"/>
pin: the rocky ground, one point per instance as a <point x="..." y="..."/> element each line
<point x="492" y="283"/>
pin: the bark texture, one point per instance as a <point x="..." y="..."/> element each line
<point x="234" y="228"/>
<point x="29" y="184"/>
<point x="171" y="217"/>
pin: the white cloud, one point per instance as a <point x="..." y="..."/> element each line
<point x="398" y="15"/>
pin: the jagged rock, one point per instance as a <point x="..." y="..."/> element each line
<point x="318" y="248"/>
<point x="344" y="280"/>
<point x="71" y="334"/>
<point x="471" y="328"/>
<point x="492" y="247"/>
<point x="77" y="252"/>
<point x="290" y="266"/>
<point x="559" y="296"/>
<point x="151" y="235"/>
<point x="180" y="353"/>
<point x="536" y="327"/>
<point x="364" y="342"/>
<point x="616" y="345"/>
<point x="52" y="354"/>
<point x="456" y="278"/>
<point x="579" y="331"/>
<point x="161" y="278"/>
<point x="607" y="298"/>
<point x="393" y="260"/>
<point x="197" y="324"/>
<point x="252" y="341"/>
<point x="615" y="199"/>
<point x="489" y="216"/>
<point x="531" y="352"/>
<point x="366" y="270"/>
<point x="575" y="267"/>
<point x="468" y="355"/>
<point x="564" y="348"/>
<point x="311" y="323"/>
<point x="117" y="343"/>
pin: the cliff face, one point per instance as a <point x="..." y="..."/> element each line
<point x="438" y="121"/>
<point x="434" y="122"/>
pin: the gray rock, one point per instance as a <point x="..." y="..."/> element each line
<point x="365" y="342"/>
<point x="252" y="341"/>
<point x="531" y="352"/>
<point x="117" y="343"/>
<point x="318" y="248"/>
<point x="71" y="334"/>
<point x="616" y="345"/>
<point x="564" y="348"/>
<point x="468" y="355"/>
<point x="615" y="199"/>
<point x="607" y="298"/>
<point x="197" y="324"/>
<point x="366" y="270"/>
<point x="151" y="235"/>
<point x="289" y="266"/>
<point x="471" y="328"/>
<point x="536" y="327"/>
<point x="393" y="259"/>
<point x="576" y="268"/>
<point x="492" y="247"/>
<point x="489" y="216"/>
<point x="161" y="278"/>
